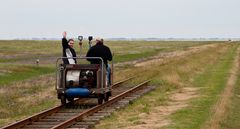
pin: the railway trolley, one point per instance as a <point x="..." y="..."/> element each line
<point x="82" y="80"/>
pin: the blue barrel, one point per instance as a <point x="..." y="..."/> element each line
<point x="77" y="92"/>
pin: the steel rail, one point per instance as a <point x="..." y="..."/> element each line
<point x="48" y="112"/>
<point x="80" y="116"/>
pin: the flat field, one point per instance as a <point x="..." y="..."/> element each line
<point x="191" y="79"/>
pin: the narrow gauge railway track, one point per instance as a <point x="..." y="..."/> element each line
<point x="87" y="115"/>
<point x="89" y="118"/>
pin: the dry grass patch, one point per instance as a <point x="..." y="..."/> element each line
<point x="21" y="99"/>
<point x="161" y="57"/>
<point x="157" y="117"/>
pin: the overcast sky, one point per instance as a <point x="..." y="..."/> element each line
<point x="120" y="18"/>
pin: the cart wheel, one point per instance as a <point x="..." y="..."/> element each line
<point x="63" y="99"/>
<point x="106" y="98"/>
<point x="70" y="99"/>
<point x="100" y="99"/>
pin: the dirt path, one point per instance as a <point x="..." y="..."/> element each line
<point x="158" y="117"/>
<point x="220" y="109"/>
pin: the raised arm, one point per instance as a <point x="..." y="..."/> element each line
<point x="64" y="40"/>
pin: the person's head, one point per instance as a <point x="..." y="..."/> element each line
<point x="99" y="40"/>
<point x="71" y="43"/>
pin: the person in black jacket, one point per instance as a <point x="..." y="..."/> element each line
<point x="68" y="50"/>
<point x="100" y="50"/>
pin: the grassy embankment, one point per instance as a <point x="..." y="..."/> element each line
<point x="13" y="73"/>
<point x="211" y="84"/>
<point x="207" y="69"/>
<point x="233" y="117"/>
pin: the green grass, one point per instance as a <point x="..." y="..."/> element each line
<point x="19" y="47"/>
<point x="11" y="108"/>
<point x="233" y="117"/>
<point x="135" y="56"/>
<point x="13" y="73"/>
<point x="211" y="84"/>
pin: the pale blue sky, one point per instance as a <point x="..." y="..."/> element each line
<point x="120" y="18"/>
